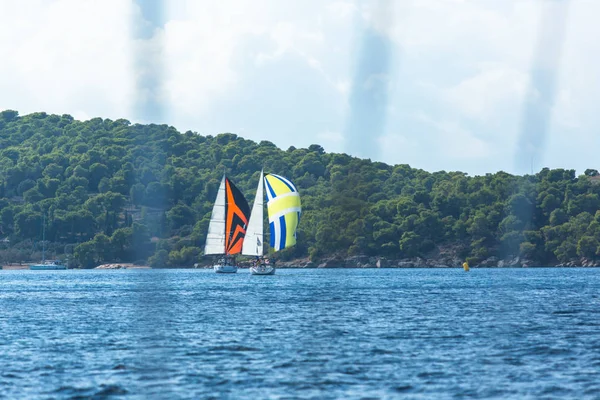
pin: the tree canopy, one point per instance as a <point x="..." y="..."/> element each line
<point x="116" y="191"/>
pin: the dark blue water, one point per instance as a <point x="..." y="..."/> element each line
<point x="410" y="333"/>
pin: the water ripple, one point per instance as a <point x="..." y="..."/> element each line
<point x="322" y="334"/>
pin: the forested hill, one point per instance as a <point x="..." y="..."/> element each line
<point x="116" y="191"/>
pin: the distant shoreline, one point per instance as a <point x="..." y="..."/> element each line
<point x="26" y="267"/>
<point x="13" y="267"/>
<point x="348" y="263"/>
<point x="122" y="266"/>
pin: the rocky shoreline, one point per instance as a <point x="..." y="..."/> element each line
<point x="369" y="262"/>
<point x="438" y="261"/>
<point x="120" y="266"/>
<point x="418" y="262"/>
<point x="376" y="262"/>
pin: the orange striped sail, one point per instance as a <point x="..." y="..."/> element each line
<point x="237" y="213"/>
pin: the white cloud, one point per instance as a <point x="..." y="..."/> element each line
<point x="332" y="142"/>
<point x="397" y="146"/>
<point x="204" y="46"/>
<point x="455" y="141"/>
<point x="470" y="31"/>
<point x="199" y="65"/>
<point x="343" y="86"/>
<point x="565" y="110"/>
<point x="481" y="96"/>
<point x="342" y="10"/>
<point x="61" y="57"/>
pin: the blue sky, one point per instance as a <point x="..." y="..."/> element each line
<point x="477" y="86"/>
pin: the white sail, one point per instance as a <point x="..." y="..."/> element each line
<point x="215" y="239"/>
<point x="253" y="242"/>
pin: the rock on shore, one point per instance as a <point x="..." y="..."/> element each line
<point x="120" y="266"/>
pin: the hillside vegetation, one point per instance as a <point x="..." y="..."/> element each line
<point x="116" y="191"/>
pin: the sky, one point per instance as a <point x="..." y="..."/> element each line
<point x="457" y="85"/>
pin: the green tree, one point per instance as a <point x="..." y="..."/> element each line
<point x="85" y="255"/>
<point x="97" y="172"/>
<point x="28" y="224"/>
<point x="179" y="216"/>
<point x="159" y="260"/>
<point x="102" y="247"/>
<point x="137" y="194"/>
<point x="121" y="240"/>
<point x="53" y="171"/>
<point x="184" y="257"/>
<point x="587" y="246"/>
<point x="410" y="243"/>
<point x="33" y="195"/>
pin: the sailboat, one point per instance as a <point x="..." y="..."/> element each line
<point x="46" y="264"/>
<point x="284" y="209"/>
<point x="227" y="226"/>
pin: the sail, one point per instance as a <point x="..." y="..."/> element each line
<point x="237" y="214"/>
<point x="215" y="239"/>
<point x="283" y="205"/>
<point x="253" y="243"/>
<point x="228" y="221"/>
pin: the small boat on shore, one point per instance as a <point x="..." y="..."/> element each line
<point x="47" y="265"/>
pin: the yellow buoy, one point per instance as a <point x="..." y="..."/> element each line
<point x="466" y="266"/>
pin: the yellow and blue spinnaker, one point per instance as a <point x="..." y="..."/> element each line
<point x="283" y="206"/>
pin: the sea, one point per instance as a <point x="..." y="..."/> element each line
<point x="522" y="333"/>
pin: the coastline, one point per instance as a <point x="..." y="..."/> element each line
<point x="10" y="267"/>
<point x="364" y="262"/>
<point x="434" y="262"/>
<point x="122" y="266"/>
<point x="416" y="262"/>
<point x="14" y="267"/>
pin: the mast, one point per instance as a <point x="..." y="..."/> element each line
<point x="43" y="238"/>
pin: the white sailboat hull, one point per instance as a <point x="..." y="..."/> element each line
<point x="46" y="267"/>
<point x="262" y="270"/>
<point x="225" y="269"/>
